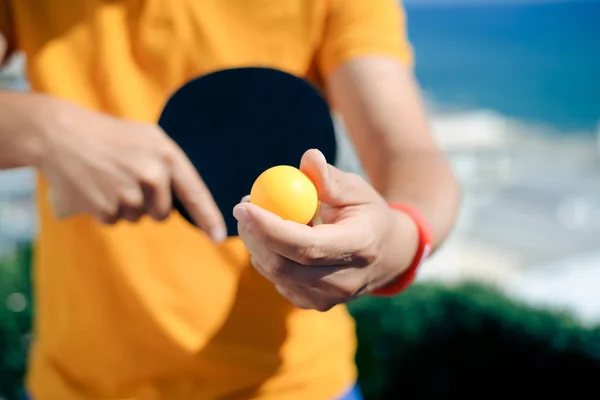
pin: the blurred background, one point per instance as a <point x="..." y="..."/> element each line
<point x="513" y="90"/>
<point x="515" y="98"/>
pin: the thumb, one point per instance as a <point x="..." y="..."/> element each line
<point x="334" y="186"/>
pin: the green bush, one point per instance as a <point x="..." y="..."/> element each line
<point x="433" y="341"/>
<point x="436" y="341"/>
<point x="15" y="321"/>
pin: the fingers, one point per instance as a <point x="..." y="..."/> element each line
<point x="320" y="245"/>
<point x="158" y="201"/>
<point x="282" y="270"/>
<point x="316" y="283"/>
<point x="157" y="197"/>
<point x="308" y="298"/>
<point x="196" y="198"/>
<point x="131" y="205"/>
<point x="340" y="282"/>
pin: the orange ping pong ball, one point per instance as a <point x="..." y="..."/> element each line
<point x="287" y="192"/>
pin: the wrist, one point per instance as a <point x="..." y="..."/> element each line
<point x="47" y="125"/>
<point x="405" y="241"/>
<point x="412" y="236"/>
<point x="21" y="134"/>
<point x="400" y="247"/>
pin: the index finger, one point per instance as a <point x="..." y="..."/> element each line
<point x="332" y="244"/>
<point x="193" y="194"/>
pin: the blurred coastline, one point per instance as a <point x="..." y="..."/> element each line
<point x="514" y="99"/>
<point x="515" y="102"/>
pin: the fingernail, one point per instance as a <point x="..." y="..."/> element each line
<point x="321" y="155"/>
<point x="245" y="199"/>
<point x="218" y="235"/>
<point x="241" y="214"/>
<point x="323" y="166"/>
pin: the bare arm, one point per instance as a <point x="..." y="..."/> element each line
<point x="3" y="48"/>
<point x="382" y="108"/>
<point x="102" y="166"/>
<point x="21" y="139"/>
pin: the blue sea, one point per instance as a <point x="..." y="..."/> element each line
<point x="536" y="61"/>
<point x="533" y="60"/>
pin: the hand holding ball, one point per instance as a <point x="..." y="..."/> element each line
<point x="287" y="192"/>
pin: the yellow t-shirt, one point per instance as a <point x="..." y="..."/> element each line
<point x="154" y="310"/>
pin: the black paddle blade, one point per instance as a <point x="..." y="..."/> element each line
<point x="234" y="124"/>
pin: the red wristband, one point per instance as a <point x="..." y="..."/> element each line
<point x="423" y="251"/>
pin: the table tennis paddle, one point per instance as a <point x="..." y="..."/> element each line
<point x="234" y="124"/>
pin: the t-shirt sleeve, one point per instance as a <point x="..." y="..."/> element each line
<point x="357" y="28"/>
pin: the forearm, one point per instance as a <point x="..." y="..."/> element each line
<point x="416" y="176"/>
<point x="21" y="128"/>
<point x="404" y="164"/>
<point x="387" y="122"/>
<point x="424" y="180"/>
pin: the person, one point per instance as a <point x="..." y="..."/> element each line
<point x="134" y="303"/>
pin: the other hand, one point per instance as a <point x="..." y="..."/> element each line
<point x="116" y="170"/>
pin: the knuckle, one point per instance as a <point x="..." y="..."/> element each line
<point x="107" y="210"/>
<point x="153" y="175"/>
<point x="161" y="215"/>
<point x="365" y="257"/>
<point x="367" y="254"/>
<point x="168" y="150"/>
<point x="160" y="144"/>
<point x="310" y="255"/>
<point x="107" y="218"/>
<point x="132" y="199"/>
<point x="132" y="215"/>
<point x="277" y="267"/>
<point x="166" y="153"/>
